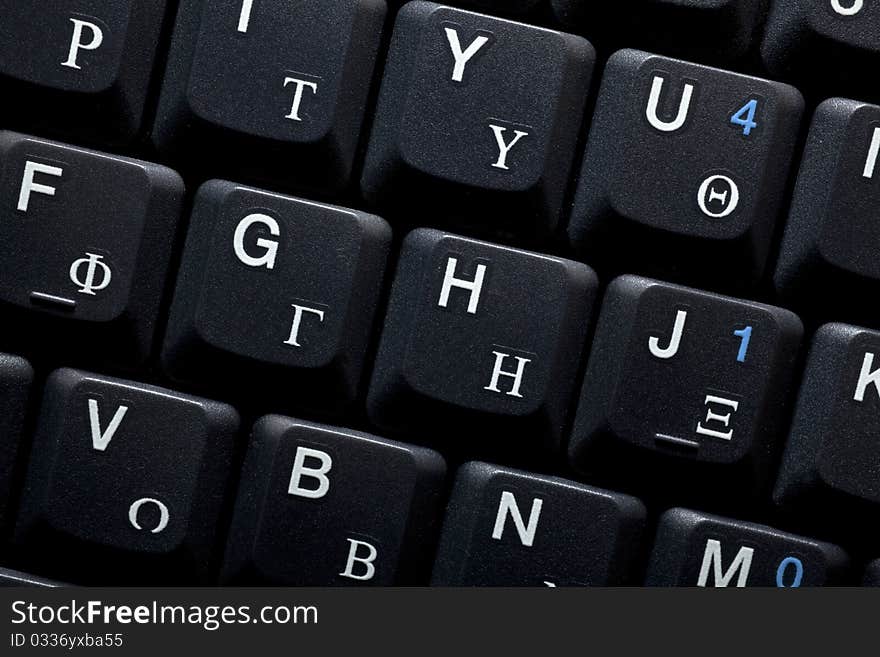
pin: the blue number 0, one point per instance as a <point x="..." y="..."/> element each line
<point x="745" y="117"/>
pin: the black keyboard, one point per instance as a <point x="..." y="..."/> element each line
<point x="512" y="293"/>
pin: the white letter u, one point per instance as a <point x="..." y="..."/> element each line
<point x="654" y="101"/>
<point x="852" y="10"/>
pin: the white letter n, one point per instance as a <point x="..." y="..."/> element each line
<point x="508" y="506"/>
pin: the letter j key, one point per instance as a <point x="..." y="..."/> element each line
<point x="685" y="389"/>
<point x="685" y="170"/>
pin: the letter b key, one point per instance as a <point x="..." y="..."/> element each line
<point x="322" y="506"/>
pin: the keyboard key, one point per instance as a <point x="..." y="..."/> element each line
<point x="685" y="171"/>
<point x="510" y="528"/>
<point x="477" y="118"/>
<point x="481" y="345"/>
<point x="716" y="31"/>
<point x="276" y="288"/>
<point x="125" y="482"/>
<point x="685" y="383"/>
<point x="830" y="463"/>
<point x="872" y="574"/>
<point x="79" y="74"/>
<point x="507" y="7"/>
<point x="828" y="45"/>
<point x="832" y="235"/>
<point x="84" y="246"/>
<point x="322" y="506"/>
<point x="11" y="578"/>
<point x="696" y="549"/>
<point x="271" y="90"/>
<point x="16" y="376"/>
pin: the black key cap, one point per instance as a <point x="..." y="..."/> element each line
<point x="16" y="376"/>
<point x="277" y="291"/>
<point x="12" y="578"/>
<point x="481" y="345"/>
<point x="716" y="31"/>
<point x="323" y="506"/>
<point x="828" y="45"/>
<point x="477" y="118"/>
<point x="520" y="8"/>
<point x="505" y="527"/>
<point x="685" y="383"/>
<point x="273" y="90"/>
<point x="85" y="240"/>
<point x="86" y="75"/>
<point x="832" y="236"/>
<point x="829" y="470"/>
<point x="685" y="171"/>
<point x="696" y="549"/>
<point x="872" y="574"/>
<point x="125" y="482"/>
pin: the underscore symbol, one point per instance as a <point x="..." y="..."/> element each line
<point x="87" y="283"/>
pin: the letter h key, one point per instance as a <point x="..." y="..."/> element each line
<point x="480" y="340"/>
<point x="687" y="382"/>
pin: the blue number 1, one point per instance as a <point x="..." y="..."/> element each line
<point x="746" y="337"/>
<point x="745" y="117"/>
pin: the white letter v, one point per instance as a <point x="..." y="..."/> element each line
<point x="101" y="440"/>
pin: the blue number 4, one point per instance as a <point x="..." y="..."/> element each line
<point x="745" y="117"/>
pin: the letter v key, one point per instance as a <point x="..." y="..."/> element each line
<point x="101" y="440"/>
